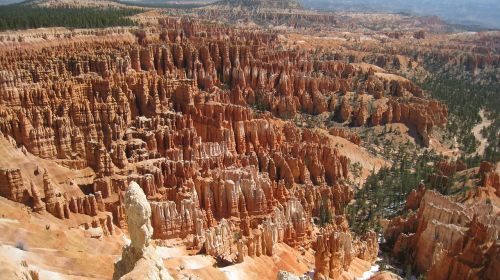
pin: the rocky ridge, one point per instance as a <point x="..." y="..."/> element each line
<point x="261" y="4"/>
<point x="446" y="239"/>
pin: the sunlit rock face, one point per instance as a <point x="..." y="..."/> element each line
<point x="336" y="248"/>
<point x="444" y="238"/>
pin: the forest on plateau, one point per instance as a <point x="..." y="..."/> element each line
<point x="464" y="100"/>
<point x="19" y="16"/>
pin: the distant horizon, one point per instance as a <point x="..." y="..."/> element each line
<point x="483" y="13"/>
<point x="6" y="2"/>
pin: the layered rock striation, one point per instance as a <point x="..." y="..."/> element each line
<point x="336" y="248"/>
<point x="445" y="239"/>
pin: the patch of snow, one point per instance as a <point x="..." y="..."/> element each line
<point x="168" y="253"/>
<point x="47" y="274"/>
<point x="7" y="220"/>
<point x="15" y="254"/>
<point x="126" y="241"/>
<point x="196" y="262"/>
<point x="231" y="274"/>
<point x="368" y="274"/>
<point x="381" y="238"/>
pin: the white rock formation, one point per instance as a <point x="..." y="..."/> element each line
<point x="285" y="275"/>
<point x="139" y="259"/>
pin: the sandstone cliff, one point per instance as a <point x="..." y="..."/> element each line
<point x="446" y="239"/>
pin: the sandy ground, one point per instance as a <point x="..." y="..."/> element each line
<point x="363" y="66"/>
<point x="182" y="265"/>
<point x="437" y="146"/>
<point x="33" y="39"/>
<point x="310" y="42"/>
<point x="485" y="122"/>
<point x="57" y="249"/>
<point x="357" y="154"/>
<point x="32" y="169"/>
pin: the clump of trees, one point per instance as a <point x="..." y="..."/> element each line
<point x="384" y="192"/>
<point x="492" y="134"/>
<point x="324" y="215"/>
<point x="22" y="16"/>
<point x="465" y="98"/>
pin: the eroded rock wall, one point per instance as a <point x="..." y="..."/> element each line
<point x="445" y="239"/>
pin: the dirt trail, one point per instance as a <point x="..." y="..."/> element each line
<point x="476" y="130"/>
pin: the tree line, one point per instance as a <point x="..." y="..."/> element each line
<point x="20" y="16"/>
